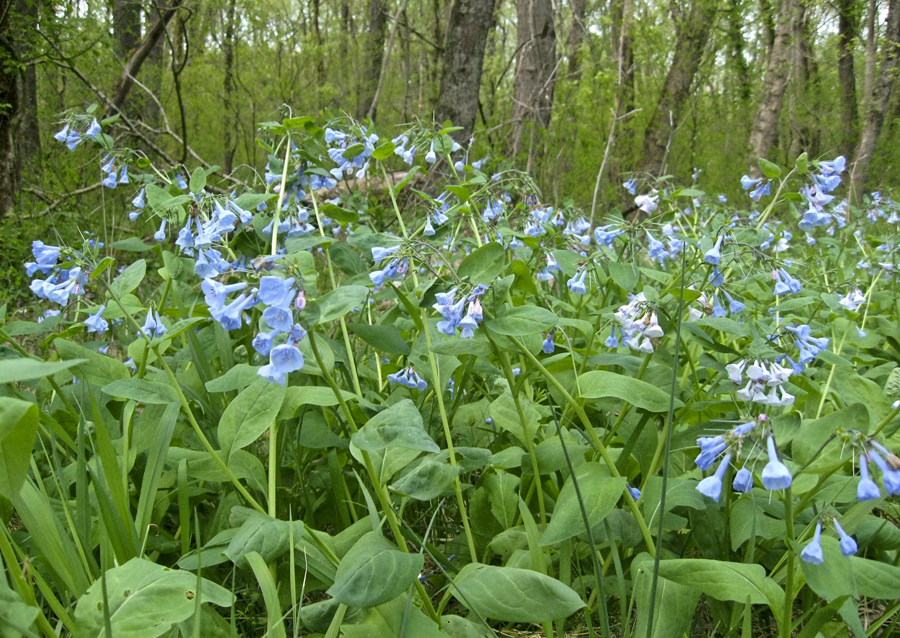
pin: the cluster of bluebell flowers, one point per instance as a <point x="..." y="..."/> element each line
<point x="812" y="552"/>
<point x="451" y="309"/>
<point x="408" y="378"/>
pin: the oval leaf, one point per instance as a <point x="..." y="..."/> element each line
<point x="600" y="384"/>
<point x="248" y="416"/>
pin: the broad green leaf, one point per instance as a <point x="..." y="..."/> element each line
<point x="600" y="493"/>
<point x="129" y="279"/>
<point x="506" y="417"/>
<point x="352" y="151"/>
<point x="237" y="378"/>
<point x="98" y="369"/>
<point x="484" y="264"/>
<point x="142" y="391"/>
<point x="400" y="426"/>
<point x="802" y="163"/>
<point x="18" y="425"/>
<point x="459" y="627"/>
<point x="339" y="302"/>
<point x="817" y="432"/>
<point x="15" y="613"/>
<point x="833" y="578"/>
<point x="144" y="600"/>
<point x="338" y="214"/>
<point x="725" y="580"/>
<point x="269" y="537"/>
<point x="298" y="396"/>
<point x="769" y="169"/>
<point x="384" y="337"/>
<point x="522" y="321"/>
<point x="249" y="415"/>
<point x="625" y="275"/>
<point x="428" y="480"/>
<point x="198" y="180"/>
<point x="675" y="604"/>
<point x="373" y="572"/>
<point x="874" y="579"/>
<point x="503" y="494"/>
<point x="386" y="621"/>
<point x="514" y="595"/>
<point x="599" y="384"/>
<point x="383" y="150"/>
<point x="14" y="370"/>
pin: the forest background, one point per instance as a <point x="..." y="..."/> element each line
<point x="695" y="89"/>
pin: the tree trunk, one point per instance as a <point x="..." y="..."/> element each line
<point x="535" y="68"/>
<point x="10" y="110"/>
<point x="228" y="115"/>
<point x="470" y="23"/>
<point x="126" y="26"/>
<point x="881" y="95"/>
<point x="693" y="33"/>
<point x="29" y="137"/>
<point x="373" y="51"/>
<point x="736" y="49"/>
<point x="623" y="54"/>
<point x="148" y="43"/>
<point x="765" y="125"/>
<point x="806" y="95"/>
<point x="576" y="37"/>
<point x="871" y="37"/>
<point x="848" y="23"/>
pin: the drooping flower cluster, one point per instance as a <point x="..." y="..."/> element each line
<point x="60" y="282"/>
<point x="408" y="378"/>
<point x="761" y="376"/>
<point x="775" y="474"/>
<point x="638" y="324"/>
<point x="451" y="309"/>
<point x="395" y="269"/>
<point x="812" y="552"/>
<point x="72" y="138"/>
<point x="808" y="345"/>
<point x="817" y="194"/>
<point x="760" y="187"/>
<point x="201" y="235"/>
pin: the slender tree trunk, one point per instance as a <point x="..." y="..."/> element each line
<point x="373" y="51"/>
<point x="806" y="86"/>
<point x="881" y="95"/>
<point x="693" y="33"/>
<point x="470" y="23"/>
<point x="736" y="49"/>
<point x="143" y="51"/>
<point x="768" y="18"/>
<point x="764" y="132"/>
<point x="848" y="23"/>
<point x="576" y="37"/>
<point x="871" y="38"/>
<point x="622" y="16"/>
<point x="228" y="115"/>
<point x="10" y="109"/>
<point x="29" y="137"/>
<point x="126" y="26"/>
<point x="320" y="52"/>
<point x="535" y="68"/>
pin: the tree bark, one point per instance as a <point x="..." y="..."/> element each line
<point x="126" y="26"/>
<point x="470" y="23"/>
<point x="692" y="35"/>
<point x="871" y="37"/>
<point x="373" y="51"/>
<point x="881" y="95"/>
<point x="848" y="24"/>
<point x="149" y="41"/>
<point x="806" y="95"/>
<point x="228" y="115"/>
<point x="736" y="49"/>
<point x="623" y="54"/>
<point x="29" y="137"/>
<point x="576" y="37"/>
<point x="535" y="69"/>
<point x="10" y="110"/>
<point x="764" y="132"/>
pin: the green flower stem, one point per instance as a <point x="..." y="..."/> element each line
<point x="354" y="375"/>
<point x="276" y="217"/>
<point x="439" y="394"/>
<point x="598" y="444"/>
<point x="380" y="490"/>
<point x="831" y="373"/>
<point x="789" y="578"/>
<point x="623" y="411"/>
<point x="186" y="408"/>
<point x="526" y="430"/>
